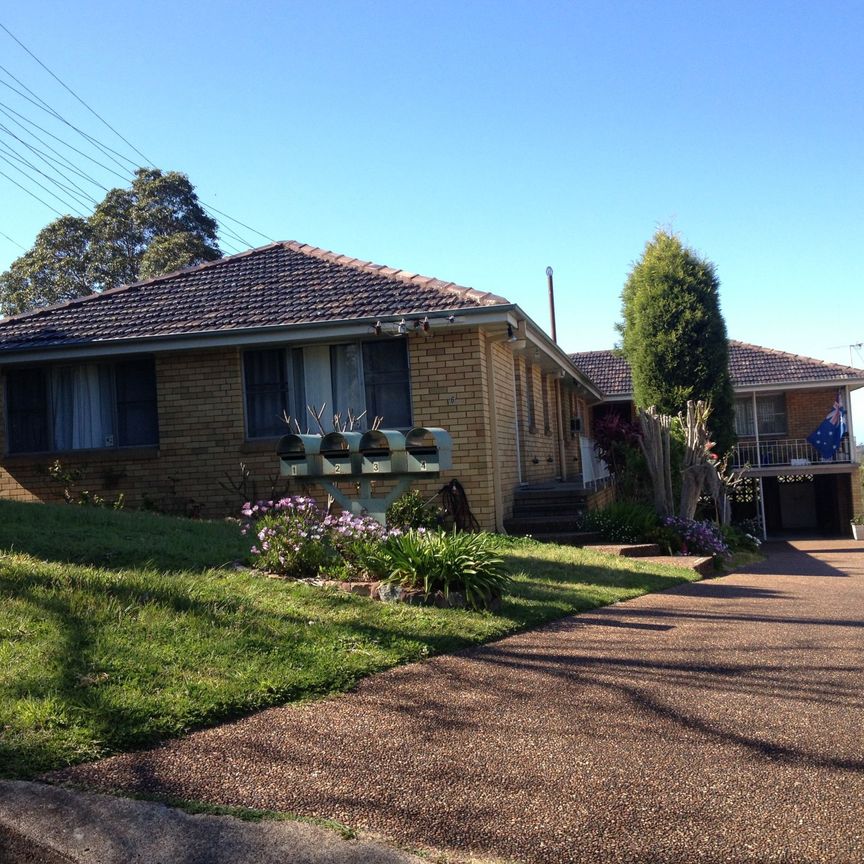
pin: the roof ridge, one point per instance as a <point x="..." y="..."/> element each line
<point x="486" y="298"/>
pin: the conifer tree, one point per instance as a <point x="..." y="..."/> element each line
<point x="674" y="335"/>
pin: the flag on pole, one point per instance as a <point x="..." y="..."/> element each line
<point x="826" y="439"/>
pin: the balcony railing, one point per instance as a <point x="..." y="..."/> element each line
<point x="791" y="452"/>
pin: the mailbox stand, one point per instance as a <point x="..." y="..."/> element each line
<point x="379" y="453"/>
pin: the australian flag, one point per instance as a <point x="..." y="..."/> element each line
<point x="826" y="439"/>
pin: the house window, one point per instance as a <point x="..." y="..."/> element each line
<point x="770" y="412"/>
<point x="87" y="406"/>
<point x="348" y="379"/>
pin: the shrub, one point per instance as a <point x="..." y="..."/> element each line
<point x="411" y="511"/>
<point x="444" y="561"/>
<point x="622" y="522"/>
<point x="698" y="538"/>
<point x="357" y="541"/>
<point x="290" y="536"/>
<point x="739" y="540"/>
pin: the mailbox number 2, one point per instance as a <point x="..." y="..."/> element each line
<point x="337" y="468"/>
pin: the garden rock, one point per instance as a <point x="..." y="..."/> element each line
<point x="390" y="593"/>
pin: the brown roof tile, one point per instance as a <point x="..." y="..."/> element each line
<point x="749" y="366"/>
<point x="275" y="285"/>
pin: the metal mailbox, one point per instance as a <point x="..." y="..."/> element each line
<point x="299" y="455"/>
<point x="382" y="451"/>
<point x="340" y="453"/>
<point x="428" y="450"/>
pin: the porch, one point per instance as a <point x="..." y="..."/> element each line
<point x="785" y="452"/>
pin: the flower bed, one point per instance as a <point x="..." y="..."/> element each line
<point x="294" y="538"/>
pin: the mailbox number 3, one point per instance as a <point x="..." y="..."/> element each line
<point x="374" y="466"/>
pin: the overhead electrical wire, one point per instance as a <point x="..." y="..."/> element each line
<point x="46" y="158"/>
<point x="31" y="194"/>
<point x="5" y="109"/>
<point x="33" y="98"/>
<point x="70" y="90"/>
<point x="13" y="242"/>
<point x="106" y="151"/>
<point x="73" y="207"/>
<point x="74" y="190"/>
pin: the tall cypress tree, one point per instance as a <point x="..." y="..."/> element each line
<point x="674" y="335"/>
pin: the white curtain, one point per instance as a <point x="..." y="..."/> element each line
<point x="316" y="380"/>
<point x="82" y="407"/>
<point x="346" y="369"/>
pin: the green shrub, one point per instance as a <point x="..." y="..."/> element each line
<point x="411" y="511"/>
<point x="622" y="522"/>
<point x="739" y="540"/>
<point x="443" y="561"/>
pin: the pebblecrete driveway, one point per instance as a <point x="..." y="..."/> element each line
<point x="718" y="722"/>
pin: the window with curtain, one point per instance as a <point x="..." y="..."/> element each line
<point x="353" y="377"/>
<point x="770" y="412"/>
<point x="85" y="406"/>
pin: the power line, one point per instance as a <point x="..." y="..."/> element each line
<point x="107" y="151"/>
<point x="13" y="242"/>
<point x="43" y="187"/>
<point x="31" y="194"/>
<point x="66" y="165"/>
<point x="39" y="102"/>
<point x="84" y="197"/>
<point x="243" y="224"/>
<point x="5" y="109"/>
<point x="70" y="90"/>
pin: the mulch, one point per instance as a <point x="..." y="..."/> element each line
<point x="715" y="722"/>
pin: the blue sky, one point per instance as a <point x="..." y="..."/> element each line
<point x="481" y="142"/>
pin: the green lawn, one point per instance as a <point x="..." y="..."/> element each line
<point x="120" y="628"/>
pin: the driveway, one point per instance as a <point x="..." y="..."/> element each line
<point x="716" y="722"/>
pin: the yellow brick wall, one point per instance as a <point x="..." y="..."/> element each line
<point x="806" y="409"/>
<point x="857" y="494"/>
<point x="540" y="454"/>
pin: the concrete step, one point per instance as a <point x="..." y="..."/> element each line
<point x="544" y="524"/>
<point x="629" y="550"/>
<point x="568" y="538"/>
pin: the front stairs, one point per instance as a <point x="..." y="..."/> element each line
<point x="550" y="513"/>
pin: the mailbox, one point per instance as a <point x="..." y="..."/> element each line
<point x="340" y="453"/>
<point x="299" y="455"/>
<point x="428" y="450"/>
<point x="382" y="451"/>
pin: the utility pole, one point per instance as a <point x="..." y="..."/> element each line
<point x="552" y="304"/>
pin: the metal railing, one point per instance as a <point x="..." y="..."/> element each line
<point x="792" y="452"/>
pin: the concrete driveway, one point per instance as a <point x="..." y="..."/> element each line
<point x="718" y="722"/>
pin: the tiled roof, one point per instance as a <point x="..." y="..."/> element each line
<point x="279" y="284"/>
<point x="749" y="365"/>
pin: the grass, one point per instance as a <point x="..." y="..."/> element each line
<point x="118" y="629"/>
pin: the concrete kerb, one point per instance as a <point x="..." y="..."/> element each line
<point x="56" y="824"/>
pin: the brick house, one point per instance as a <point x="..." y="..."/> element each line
<point x="781" y="399"/>
<point x="159" y="390"/>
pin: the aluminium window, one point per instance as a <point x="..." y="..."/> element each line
<point x="86" y="406"/>
<point x="350" y="377"/>
<point x="770" y="412"/>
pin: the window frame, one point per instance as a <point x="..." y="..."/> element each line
<point x="284" y="348"/>
<point x="47" y="371"/>
<point x="756" y="424"/>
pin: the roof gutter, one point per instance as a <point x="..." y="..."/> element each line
<point x="272" y="334"/>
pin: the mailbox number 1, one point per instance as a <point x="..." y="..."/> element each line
<point x="294" y="469"/>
